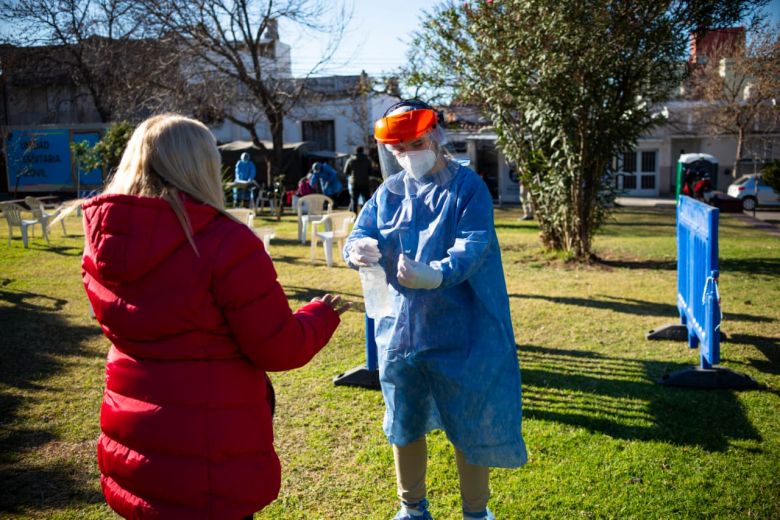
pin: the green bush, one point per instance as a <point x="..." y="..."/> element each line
<point x="107" y="152"/>
<point x="771" y="174"/>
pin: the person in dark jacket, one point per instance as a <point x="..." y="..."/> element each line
<point x="190" y="301"/>
<point x="358" y="171"/>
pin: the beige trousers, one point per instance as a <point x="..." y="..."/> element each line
<point x="410" y="464"/>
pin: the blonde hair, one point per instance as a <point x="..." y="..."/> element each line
<point x="168" y="154"/>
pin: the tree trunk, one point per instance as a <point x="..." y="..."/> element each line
<point x="276" y="166"/>
<point x="738" y="155"/>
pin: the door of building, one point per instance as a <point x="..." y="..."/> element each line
<point x="639" y="173"/>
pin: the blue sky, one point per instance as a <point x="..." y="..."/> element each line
<point x="376" y="40"/>
<point x="378" y="37"/>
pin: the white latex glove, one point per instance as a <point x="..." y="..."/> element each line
<point x="417" y="275"/>
<point x="365" y="252"/>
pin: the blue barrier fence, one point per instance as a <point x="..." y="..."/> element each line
<point x="366" y="376"/>
<point x="698" y="299"/>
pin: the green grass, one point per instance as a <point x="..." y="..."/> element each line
<point x="604" y="440"/>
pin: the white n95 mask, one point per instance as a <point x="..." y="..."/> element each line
<point x="418" y="162"/>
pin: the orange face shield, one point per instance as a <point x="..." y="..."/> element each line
<point x="405" y="126"/>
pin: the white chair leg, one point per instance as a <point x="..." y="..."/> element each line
<point x="327" y="244"/>
<point x="64" y="232"/>
<point x="24" y="236"/>
<point x="267" y="243"/>
<point x="45" y="232"/>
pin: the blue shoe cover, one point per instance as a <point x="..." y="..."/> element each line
<point x="487" y="514"/>
<point x="418" y="511"/>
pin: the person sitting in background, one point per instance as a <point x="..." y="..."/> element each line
<point x="245" y="174"/>
<point x="304" y="187"/>
<point x="326" y="179"/>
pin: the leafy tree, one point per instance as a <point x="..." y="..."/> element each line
<point x="568" y="86"/>
<point x="741" y="86"/>
<point x="771" y="174"/>
<point x="228" y="51"/>
<point x="107" y="152"/>
<point x="98" y="43"/>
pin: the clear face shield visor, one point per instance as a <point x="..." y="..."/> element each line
<point x="408" y="141"/>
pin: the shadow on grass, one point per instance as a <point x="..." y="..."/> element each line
<point x="633" y="306"/>
<point x="52" y="487"/>
<point x="35" y="337"/>
<point x="619" y="397"/>
<point x="289" y="242"/>
<point x="59" y="250"/>
<point x="619" y="223"/>
<point x="663" y="265"/>
<point x="768" y="346"/>
<point x="527" y="226"/>
<point x="764" y="266"/>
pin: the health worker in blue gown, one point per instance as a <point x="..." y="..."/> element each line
<point x="446" y="348"/>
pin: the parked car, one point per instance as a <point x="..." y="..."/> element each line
<point x="751" y="195"/>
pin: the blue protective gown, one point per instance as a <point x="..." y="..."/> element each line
<point x="447" y="356"/>
<point x="244" y="171"/>
<point x="328" y="180"/>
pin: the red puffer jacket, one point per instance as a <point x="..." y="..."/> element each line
<point x="186" y="425"/>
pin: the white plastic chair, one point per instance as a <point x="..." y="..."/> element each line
<point x="336" y="229"/>
<point x="263" y="199"/>
<point x="41" y="213"/>
<point x="311" y="208"/>
<point x="247" y="216"/>
<point x="265" y="234"/>
<point x="13" y="215"/>
<point x="250" y="186"/>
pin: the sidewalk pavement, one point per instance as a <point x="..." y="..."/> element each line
<point x="645" y="202"/>
<point x="765" y="219"/>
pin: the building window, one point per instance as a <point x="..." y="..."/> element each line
<point x="321" y="132"/>
<point x="648" y="162"/>
<point x="648" y="182"/>
<point x="629" y="162"/>
<point x="629" y="182"/>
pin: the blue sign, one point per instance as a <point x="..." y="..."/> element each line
<point x="40" y="159"/>
<point x="94" y="177"/>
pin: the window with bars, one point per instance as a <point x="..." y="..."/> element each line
<point x="321" y="132"/>
<point x="648" y="182"/>
<point x="629" y="162"/>
<point x="648" y="161"/>
<point x="629" y="182"/>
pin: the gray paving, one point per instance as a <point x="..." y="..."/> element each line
<point x="765" y="219"/>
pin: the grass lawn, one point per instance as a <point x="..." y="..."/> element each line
<point x="604" y="440"/>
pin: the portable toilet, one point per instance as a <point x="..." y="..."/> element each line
<point x="703" y="165"/>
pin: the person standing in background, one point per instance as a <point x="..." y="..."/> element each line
<point x="525" y="201"/>
<point x="358" y="171"/>
<point x="245" y="174"/>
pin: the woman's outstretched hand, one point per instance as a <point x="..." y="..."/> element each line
<point x="335" y="302"/>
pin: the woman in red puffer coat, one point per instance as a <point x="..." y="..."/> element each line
<point x="191" y="304"/>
